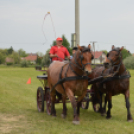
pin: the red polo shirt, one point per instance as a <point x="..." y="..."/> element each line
<point x="60" y="51"/>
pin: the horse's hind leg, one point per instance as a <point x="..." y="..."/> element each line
<point x="129" y="116"/>
<point x="101" y="109"/>
<point x="64" y="113"/>
<point x="105" y="104"/>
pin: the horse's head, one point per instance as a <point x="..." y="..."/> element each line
<point x="84" y="57"/>
<point x="114" y="57"/>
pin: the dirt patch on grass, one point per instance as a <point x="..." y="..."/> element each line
<point x="10" y="122"/>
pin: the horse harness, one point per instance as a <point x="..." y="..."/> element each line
<point x="102" y="79"/>
<point x="115" y="76"/>
<point x="76" y="64"/>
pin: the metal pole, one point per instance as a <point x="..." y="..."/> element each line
<point x="94" y="49"/>
<point x="77" y="23"/>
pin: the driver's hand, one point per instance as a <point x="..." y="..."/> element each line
<point x="56" y="55"/>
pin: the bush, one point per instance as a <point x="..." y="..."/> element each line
<point x="9" y="63"/>
<point x="129" y="62"/>
<point x="24" y="63"/>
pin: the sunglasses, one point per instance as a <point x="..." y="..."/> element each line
<point x="60" y="41"/>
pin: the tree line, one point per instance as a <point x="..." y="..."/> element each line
<point x="11" y="53"/>
<point x="41" y="59"/>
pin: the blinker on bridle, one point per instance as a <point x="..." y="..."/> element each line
<point x="81" y="58"/>
<point x="119" y="53"/>
<point x="114" y="63"/>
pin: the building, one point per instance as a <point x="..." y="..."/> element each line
<point x="32" y="58"/>
<point x="99" y="57"/>
<point x="9" y="60"/>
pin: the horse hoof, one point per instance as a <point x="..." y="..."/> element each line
<point x="130" y="120"/>
<point x="54" y="116"/>
<point x="108" y="117"/>
<point x="63" y="116"/>
<point x="76" y="122"/>
<point x="103" y="114"/>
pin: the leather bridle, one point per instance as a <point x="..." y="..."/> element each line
<point x="76" y="64"/>
<point x="119" y="57"/>
<point x="114" y="63"/>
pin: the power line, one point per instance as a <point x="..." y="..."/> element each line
<point x="22" y="43"/>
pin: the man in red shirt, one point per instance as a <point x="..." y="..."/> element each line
<point x="59" y="52"/>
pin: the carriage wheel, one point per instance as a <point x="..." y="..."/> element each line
<point x="40" y="99"/>
<point x="48" y="101"/>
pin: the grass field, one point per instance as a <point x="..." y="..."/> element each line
<point x="19" y="115"/>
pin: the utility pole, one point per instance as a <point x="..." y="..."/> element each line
<point x="77" y="23"/>
<point x="93" y="42"/>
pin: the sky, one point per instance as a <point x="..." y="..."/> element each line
<point x="108" y="22"/>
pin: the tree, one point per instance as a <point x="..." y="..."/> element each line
<point x="66" y="44"/>
<point x="24" y="63"/>
<point x="129" y="62"/>
<point x="125" y="53"/>
<point x="46" y="58"/>
<point x="10" y="50"/>
<point x="39" y="60"/>
<point x="15" y="57"/>
<point x="105" y="51"/>
<point x="4" y="52"/>
<point x="40" y="54"/>
<point x="2" y="58"/>
<point x="22" y="53"/>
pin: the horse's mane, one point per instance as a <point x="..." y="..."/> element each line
<point x="116" y="49"/>
<point x="85" y="49"/>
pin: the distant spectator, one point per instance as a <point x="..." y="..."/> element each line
<point x="73" y="51"/>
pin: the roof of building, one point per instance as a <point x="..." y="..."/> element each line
<point x="31" y="57"/>
<point x="97" y="54"/>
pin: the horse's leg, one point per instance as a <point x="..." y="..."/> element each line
<point x="79" y="102"/>
<point x="129" y="116"/>
<point x="109" y="97"/>
<point x="73" y="102"/>
<point x="100" y="109"/>
<point x="53" y="99"/>
<point x="64" y="113"/>
<point x="105" y="104"/>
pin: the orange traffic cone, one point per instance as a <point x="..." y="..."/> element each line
<point x="29" y="81"/>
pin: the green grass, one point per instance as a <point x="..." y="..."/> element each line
<point x="19" y="115"/>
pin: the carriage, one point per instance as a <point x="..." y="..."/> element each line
<point x="44" y="99"/>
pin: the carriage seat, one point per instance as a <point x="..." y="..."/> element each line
<point x="42" y="77"/>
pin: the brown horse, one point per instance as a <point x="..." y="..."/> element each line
<point x="79" y="67"/>
<point x="116" y="81"/>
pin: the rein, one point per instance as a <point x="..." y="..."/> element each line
<point x="107" y="79"/>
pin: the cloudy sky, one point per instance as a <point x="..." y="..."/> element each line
<point x="108" y="22"/>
